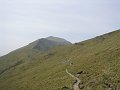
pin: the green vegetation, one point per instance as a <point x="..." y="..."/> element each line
<point x="31" y="69"/>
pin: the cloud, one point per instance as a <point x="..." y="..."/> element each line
<point x="22" y="21"/>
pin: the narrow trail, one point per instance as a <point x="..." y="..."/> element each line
<point x="76" y="85"/>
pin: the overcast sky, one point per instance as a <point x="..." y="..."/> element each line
<point x="23" y="21"/>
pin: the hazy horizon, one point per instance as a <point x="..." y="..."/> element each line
<point x="24" y="21"/>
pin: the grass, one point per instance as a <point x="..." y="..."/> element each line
<point x="98" y="58"/>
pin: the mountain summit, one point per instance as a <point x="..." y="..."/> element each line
<point x="60" y="40"/>
<point x="45" y="44"/>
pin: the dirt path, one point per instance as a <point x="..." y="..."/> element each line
<point x="76" y="85"/>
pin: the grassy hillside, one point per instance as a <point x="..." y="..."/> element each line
<point x="98" y="58"/>
<point x="30" y="52"/>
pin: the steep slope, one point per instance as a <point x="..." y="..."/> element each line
<point x="97" y="58"/>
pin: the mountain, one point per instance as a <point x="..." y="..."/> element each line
<point x="45" y="44"/>
<point x="30" y="52"/>
<point x="97" y="60"/>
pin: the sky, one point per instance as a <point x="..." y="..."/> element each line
<point x="23" y="21"/>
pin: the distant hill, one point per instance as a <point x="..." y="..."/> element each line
<point x="45" y="44"/>
<point x="29" y="52"/>
<point x="41" y="66"/>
